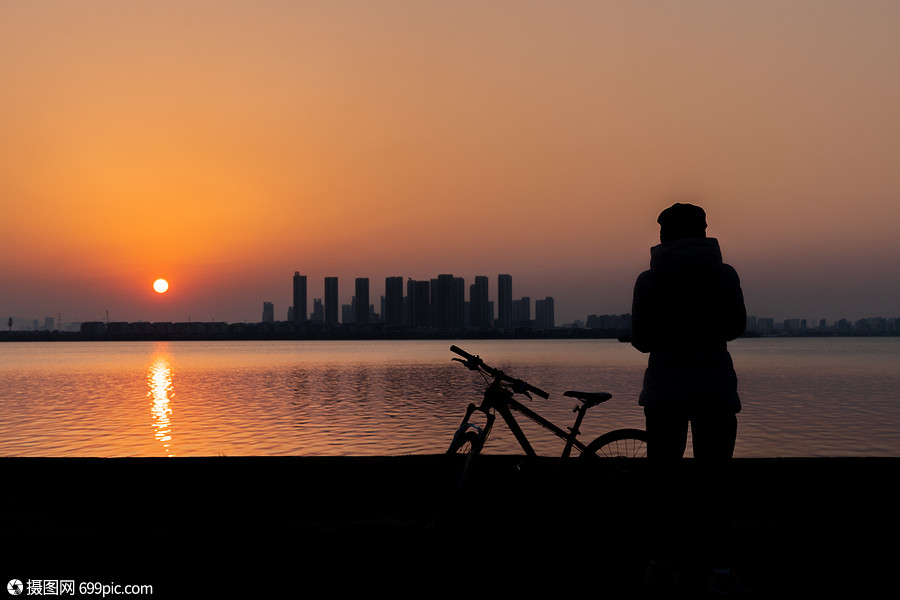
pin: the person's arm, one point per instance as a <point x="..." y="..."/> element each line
<point x="641" y="330"/>
<point x="736" y="316"/>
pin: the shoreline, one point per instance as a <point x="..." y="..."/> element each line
<point x="374" y="522"/>
<point x="232" y="332"/>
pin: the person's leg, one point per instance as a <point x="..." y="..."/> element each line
<point x="666" y="441"/>
<point x="713" y="435"/>
<point x="666" y="434"/>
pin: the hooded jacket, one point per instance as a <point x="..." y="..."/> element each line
<point x="686" y="308"/>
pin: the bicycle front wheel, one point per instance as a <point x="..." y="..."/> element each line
<point x="621" y="443"/>
<point x="465" y="443"/>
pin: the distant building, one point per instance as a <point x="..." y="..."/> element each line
<point x="318" y="312"/>
<point x="765" y="324"/>
<point x="609" y="322"/>
<point x="93" y="328"/>
<point x="521" y="309"/>
<point x="331" y="300"/>
<point x="751" y="324"/>
<point x="392" y="313"/>
<point x="300" y="313"/>
<point x="792" y="325"/>
<point x="504" y="301"/>
<point x="480" y="313"/>
<point x="448" y="302"/>
<point x="543" y="314"/>
<point x="268" y="313"/>
<point x="361" y="310"/>
<point x="418" y="304"/>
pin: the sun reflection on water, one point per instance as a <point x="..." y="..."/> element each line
<point x="159" y="378"/>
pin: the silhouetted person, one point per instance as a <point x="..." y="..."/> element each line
<point x="686" y="307"/>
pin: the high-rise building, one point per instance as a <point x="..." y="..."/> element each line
<point x="362" y="300"/>
<point x="331" y="300"/>
<point x="521" y="312"/>
<point x="268" y="314"/>
<point x="504" y="301"/>
<point x="318" y="312"/>
<point x="300" y="314"/>
<point x="543" y="314"/>
<point x="480" y="316"/>
<point x="392" y="314"/>
<point x="418" y="303"/>
<point x="448" y="301"/>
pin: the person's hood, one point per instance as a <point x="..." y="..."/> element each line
<point x="698" y="251"/>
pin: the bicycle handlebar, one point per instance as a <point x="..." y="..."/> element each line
<point x="474" y="362"/>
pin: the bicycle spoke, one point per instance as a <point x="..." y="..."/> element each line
<point x="625" y="443"/>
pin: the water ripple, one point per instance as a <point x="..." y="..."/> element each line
<point x="801" y="398"/>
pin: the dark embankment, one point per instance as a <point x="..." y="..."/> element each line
<point x="307" y="526"/>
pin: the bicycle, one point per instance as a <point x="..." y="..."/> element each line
<point x="499" y="398"/>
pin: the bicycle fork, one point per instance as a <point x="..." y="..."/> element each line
<point x="481" y="431"/>
<point x="495" y="398"/>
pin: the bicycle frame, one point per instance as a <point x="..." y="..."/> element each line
<point x="499" y="399"/>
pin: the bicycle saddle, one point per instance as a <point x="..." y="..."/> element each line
<point x="590" y="398"/>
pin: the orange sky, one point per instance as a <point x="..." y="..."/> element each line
<point x="224" y="145"/>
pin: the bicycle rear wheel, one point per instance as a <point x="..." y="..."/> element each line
<point x="620" y="443"/>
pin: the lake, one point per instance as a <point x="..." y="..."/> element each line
<point x="802" y="397"/>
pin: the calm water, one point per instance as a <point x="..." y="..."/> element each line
<point x="802" y="397"/>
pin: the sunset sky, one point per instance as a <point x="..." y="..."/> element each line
<point x="223" y="145"/>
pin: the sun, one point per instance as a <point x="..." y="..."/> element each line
<point x="160" y="285"/>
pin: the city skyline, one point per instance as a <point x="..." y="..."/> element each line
<point x="503" y="301"/>
<point x="482" y="302"/>
<point x="220" y="145"/>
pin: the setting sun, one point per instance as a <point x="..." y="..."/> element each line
<point x="160" y="285"/>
